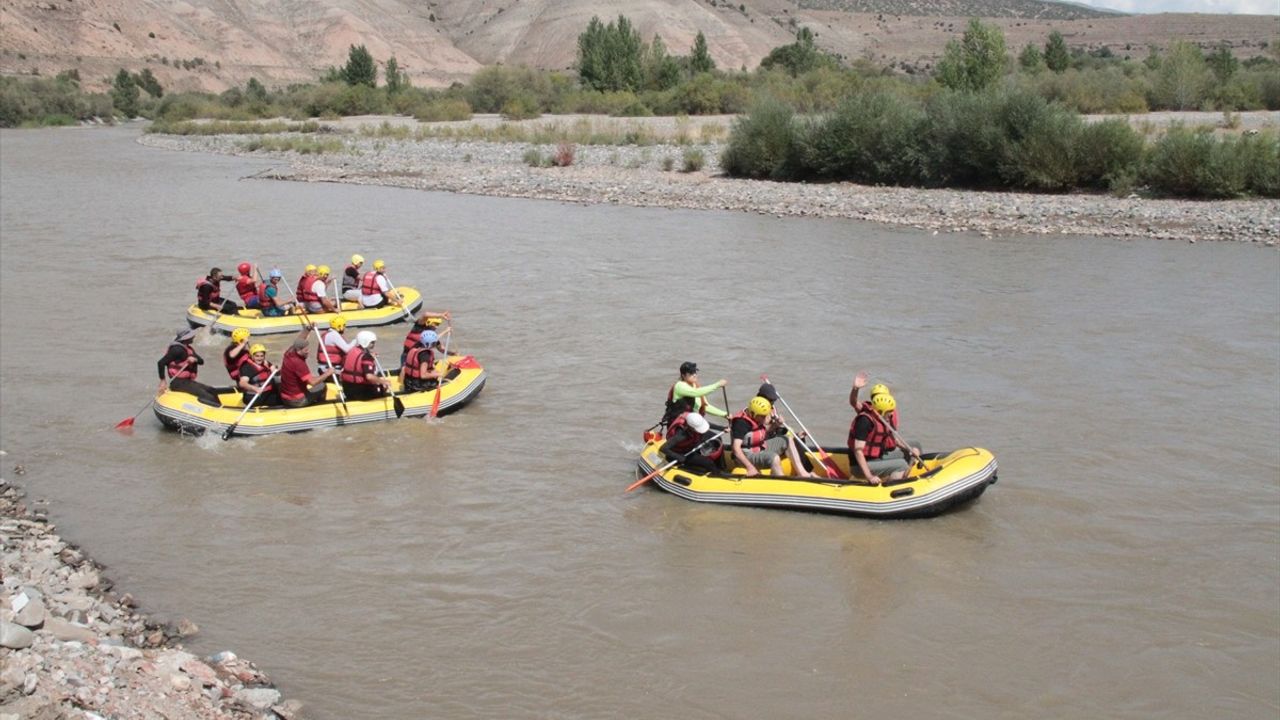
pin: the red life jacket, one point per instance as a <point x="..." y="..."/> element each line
<point x="233" y="364"/>
<point x="246" y="287"/>
<point x="350" y="278"/>
<point x="880" y="441"/>
<point x="413" y="339"/>
<point x="755" y="438"/>
<point x="413" y="362"/>
<point x="369" y="286"/>
<point x="215" y="296"/>
<point x="305" y="293"/>
<point x="265" y="301"/>
<point x="257" y="374"/>
<point x="336" y="356"/>
<point x="691" y="440"/>
<point x="356" y="365"/>
<point x="181" y="369"/>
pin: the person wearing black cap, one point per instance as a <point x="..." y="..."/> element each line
<point x="686" y="395"/>
<point x="179" y="366"/>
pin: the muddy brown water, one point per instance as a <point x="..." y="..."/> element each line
<point x="1127" y="564"/>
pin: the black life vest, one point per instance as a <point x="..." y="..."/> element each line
<point x="880" y="441"/>
<point x="676" y="408"/>
<point x="356" y="365"/>
<point x="413" y="362"/>
<point x="182" y="369"/>
<point x="754" y="441"/>
<point x="350" y="278"/>
<point x="233" y="364"/>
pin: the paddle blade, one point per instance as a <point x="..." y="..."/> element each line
<point x="639" y="482"/>
<point x="435" y="403"/>
<point x="399" y="407"/>
<point x="125" y="426"/>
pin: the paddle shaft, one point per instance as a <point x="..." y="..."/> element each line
<point x="324" y="350"/>
<point x="897" y="437"/>
<point x="396" y="403"/>
<point x="671" y="464"/>
<point x="828" y="464"/>
<point x="435" y="404"/>
<point x="226" y="434"/>
<point x="407" y="315"/>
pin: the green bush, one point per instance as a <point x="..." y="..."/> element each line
<point x="45" y="101"/>
<point x="1045" y="156"/>
<point x="1190" y="163"/>
<point x="442" y="109"/>
<point x="872" y="138"/>
<point x="1260" y="155"/>
<point x="1109" y="154"/>
<point x="693" y="160"/>
<point x="520" y="107"/>
<point x="762" y="143"/>
<point x="963" y="141"/>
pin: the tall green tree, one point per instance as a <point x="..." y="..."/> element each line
<point x="1183" y="77"/>
<point x="125" y="93"/>
<point x="661" y="70"/>
<point x="700" y="60"/>
<point x="360" y="68"/>
<point x="799" y="57"/>
<point x="1030" y="59"/>
<point x="148" y="82"/>
<point x="611" y="57"/>
<point x="397" y="79"/>
<point x="255" y="92"/>
<point x="1223" y="63"/>
<point x="1056" y="56"/>
<point x="976" y="61"/>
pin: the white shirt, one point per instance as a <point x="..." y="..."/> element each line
<point x="371" y="300"/>
<point x="318" y="287"/>
<point x="333" y="339"/>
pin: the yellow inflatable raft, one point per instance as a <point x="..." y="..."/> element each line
<point x="181" y="411"/>
<point x="259" y="324"/>
<point x="947" y="480"/>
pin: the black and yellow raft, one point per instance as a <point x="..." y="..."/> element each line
<point x="182" y="411"/>
<point x="946" y="481"/>
<point x="258" y="324"/>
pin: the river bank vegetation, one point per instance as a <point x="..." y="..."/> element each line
<point x="981" y="118"/>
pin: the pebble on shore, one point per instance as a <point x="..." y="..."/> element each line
<point x="72" y="648"/>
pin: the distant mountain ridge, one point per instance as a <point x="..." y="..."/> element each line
<point x="215" y="44"/>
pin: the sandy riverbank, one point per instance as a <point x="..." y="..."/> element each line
<point x="650" y="176"/>
<point x="72" y="647"/>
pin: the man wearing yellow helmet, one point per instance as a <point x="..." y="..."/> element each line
<point x="749" y="431"/>
<point x="333" y="346"/>
<point x="317" y="294"/>
<point x="305" y="292"/>
<point x="375" y="289"/>
<point x="351" y="279"/>
<point x="234" y="355"/>
<point x="871" y="436"/>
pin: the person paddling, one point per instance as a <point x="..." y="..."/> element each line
<point x="247" y="287"/>
<point x="258" y="377"/>
<point x="179" y="367"/>
<point x="686" y="395"/>
<point x="360" y="376"/>
<point x="273" y="304"/>
<point x="298" y="387"/>
<point x="209" y="294"/>
<point x="870" y="440"/>
<point x="751" y="429"/>
<point x="418" y="372"/>
<point x="688" y="444"/>
<point x="234" y="355"/>
<point x="334" y="347"/>
<point x="426" y="321"/>
<point x="375" y="290"/>
<point x="351" y="279"/>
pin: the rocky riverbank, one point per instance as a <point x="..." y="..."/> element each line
<point x="72" y="647"/>
<point x="652" y="176"/>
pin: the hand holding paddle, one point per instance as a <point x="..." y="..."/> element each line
<point x="231" y="429"/>
<point x="671" y="464"/>
<point x="396" y="402"/>
<point x="435" y="404"/>
<point x="828" y="465"/>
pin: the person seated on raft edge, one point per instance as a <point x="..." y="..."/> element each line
<point x="751" y="428"/>
<point x="247" y="288"/>
<point x="688" y="432"/>
<point x="351" y="279"/>
<point x="426" y="321"/>
<point x="209" y="294"/>
<point x="687" y="396"/>
<point x="234" y="355"/>
<point x="298" y="387"/>
<point x="178" y="369"/>
<point x="417" y="372"/>
<point x="375" y="290"/>
<point x="320" y="288"/>
<point x="270" y="299"/>
<point x="254" y="372"/>
<point x="360" y="378"/>
<point x="333" y="346"/>
<point x="870" y="441"/>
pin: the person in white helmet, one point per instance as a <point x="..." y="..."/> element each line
<point x="360" y="378"/>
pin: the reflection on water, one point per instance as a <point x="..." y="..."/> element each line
<point x="488" y="564"/>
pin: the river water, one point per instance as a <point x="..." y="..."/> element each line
<point x="1127" y="564"/>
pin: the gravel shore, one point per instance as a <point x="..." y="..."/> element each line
<point x="651" y="176"/>
<point x="70" y="647"/>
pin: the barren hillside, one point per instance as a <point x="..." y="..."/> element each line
<point x="440" y="41"/>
